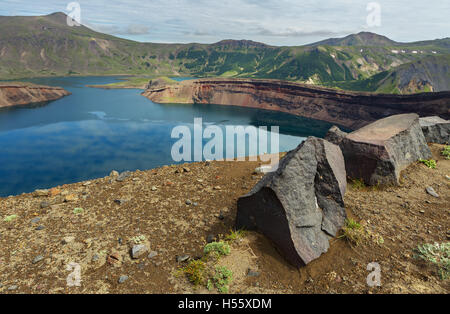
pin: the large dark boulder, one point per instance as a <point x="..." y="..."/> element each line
<point x="435" y="129"/>
<point x="335" y="135"/>
<point x="378" y="152"/>
<point x="300" y="206"/>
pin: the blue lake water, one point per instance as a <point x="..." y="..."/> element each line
<point x="93" y="131"/>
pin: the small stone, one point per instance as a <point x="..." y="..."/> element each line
<point x="431" y="191"/>
<point x="71" y="198"/>
<point x="13" y="287"/>
<point x="152" y="254"/>
<point x="182" y="258"/>
<point x="210" y="238"/>
<point x="37" y="259"/>
<point x="217" y="188"/>
<point x="120" y="201"/>
<point x="138" y="250"/>
<point x="44" y="204"/>
<point x="422" y="211"/>
<point x="68" y="239"/>
<point x="221" y="216"/>
<point x="195" y="204"/>
<point x="123" y="278"/>
<point x="39" y="228"/>
<point x="154" y="188"/>
<point x="41" y="193"/>
<point x="53" y="192"/>
<point x="123" y="176"/>
<point x="95" y="258"/>
<point x="188" y="202"/>
<point x="252" y="273"/>
<point x="447" y="177"/>
<point x="87" y="183"/>
<point x="186" y="169"/>
<point x="114" y="173"/>
<point x="120" y="241"/>
<point x="35" y="220"/>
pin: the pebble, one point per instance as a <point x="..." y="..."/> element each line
<point x="114" y="173"/>
<point x="44" y="204"/>
<point x="182" y="258"/>
<point x="431" y="191"/>
<point x="120" y="202"/>
<point x="35" y="220"/>
<point x="95" y="258"/>
<point x="68" y="239"/>
<point x="154" y="188"/>
<point x="39" y="228"/>
<point x="41" y="193"/>
<point x="13" y="287"/>
<point x="152" y="254"/>
<point x="123" y="176"/>
<point x="186" y="169"/>
<point x="123" y="278"/>
<point x="37" y="259"/>
<point x="188" y="202"/>
<point x="138" y="250"/>
<point x="447" y="177"/>
<point x="87" y="183"/>
<point x="210" y="238"/>
<point x="252" y="273"/>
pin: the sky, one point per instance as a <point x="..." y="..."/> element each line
<point x="275" y="22"/>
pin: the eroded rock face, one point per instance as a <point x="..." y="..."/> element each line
<point x="378" y="152"/>
<point x="23" y="94"/>
<point x="435" y="129"/>
<point x="335" y="135"/>
<point x="300" y="206"/>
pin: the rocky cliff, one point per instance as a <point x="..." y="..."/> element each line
<point x="350" y="109"/>
<point x="13" y="94"/>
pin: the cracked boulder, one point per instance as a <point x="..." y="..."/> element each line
<point x="435" y="129"/>
<point x="335" y="135"/>
<point x="300" y="206"/>
<point x="378" y="152"/>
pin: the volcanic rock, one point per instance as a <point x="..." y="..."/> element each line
<point x="335" y="135"/>
<point x="378" y="152"/>
<point x="299" y="206"/>
<point x="435" y="129"/>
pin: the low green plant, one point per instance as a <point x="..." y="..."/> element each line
<point x="235" y="235"/>
<point x="222" y="279"/>
<point x="446" y="152"/>
<point x="353" y="232"/>
<point x="138" y="239"/>
<point x="77" y="211"/>
<point x="195" y="272"/>
<point x="438" y="255"/>
<point x="430" y="163"/>
<point x="358" y="184"/>
<point x="217" y="248"/>
<point x="10" y="218"/>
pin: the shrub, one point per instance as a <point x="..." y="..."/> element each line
<point x="235" y="235"/>
<point x="446" y="152"/>
<point x="223" y="278"/>
<point x="438" y="255"/>
<point x="353" y="232"/>
<point x="430" y="163"/>
<point x="220" y="248"/>
<point x="195" y="271"/>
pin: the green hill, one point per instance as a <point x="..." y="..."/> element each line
<point x="46" y="46"/>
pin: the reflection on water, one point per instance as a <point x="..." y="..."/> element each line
<point x="93" y="131"/>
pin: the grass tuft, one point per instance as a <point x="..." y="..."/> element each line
<point x="438" y="255"/>
<point x="446" y="152"/>
<point x="430" y="163"/>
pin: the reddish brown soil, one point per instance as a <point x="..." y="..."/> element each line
<point x="404" y="216"/>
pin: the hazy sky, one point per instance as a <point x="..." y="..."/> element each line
<point x="277" y="22"/>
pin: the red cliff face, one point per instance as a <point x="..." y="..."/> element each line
<point x="22" y="94"/>
<point x="350" y="109"/>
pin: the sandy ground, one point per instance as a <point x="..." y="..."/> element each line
<point x="172" y="210"/>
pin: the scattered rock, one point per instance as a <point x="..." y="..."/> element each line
<point x="154" y="188"/>
<point x="44" y="204"/>
<point x="435" y="129"/>
<point x="378" y="152"/>
<point x="124" y="175"/>
<point x="152" y="254"/>
<point x="335" y="135"/>
<point x="13" y="287"/>
<point x="120" y="201"/>
<point x="70" y="198"/>
<point x="300" y="205"/>
<point x="182" y="258"/>
<point x="87" y="183"/>
<point x="37" y="259"/>
<point x="40" y="193"/>
<point x="35" y="220"/>
<point x="54" y="192"/>
<point x="68" y="240"/>
<point x="39" y="228"/>
<point x="218" y="188"/>
<point x="95" y="258"/>
<point x="114" y="173"/>
<point x="210" y="238"/>
<point x="138" y="250"/>
<point x="431" y="191"/>
<point x="114" y="259"/>
<point x="123" y="278"/>
<point x="186" y="169"/>
<point x="252" y="273"/>
<point x="188" y="202"/>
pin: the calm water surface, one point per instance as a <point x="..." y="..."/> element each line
<point x="93" y="131"/>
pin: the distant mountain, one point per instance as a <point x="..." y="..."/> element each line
<point x="47" y="46"/>
<point x="360" y="39"/>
